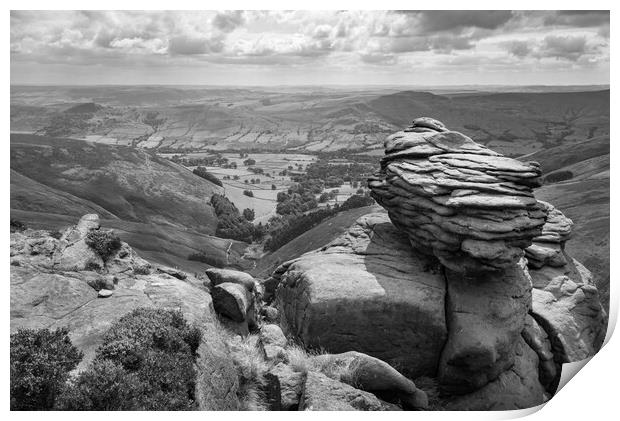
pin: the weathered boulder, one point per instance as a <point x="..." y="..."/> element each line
<point x="231" y="300"/>
<point x="78" y="256"/>
<point x="219" y="276"/>
<point x="272" y="334"/>
<point x="272" y="341"/>
<point x="486" y="314"/>
<point x="373" y="375"/>
<point x="516" y="388"/>
<point x="367" y="291"/>
<point x="291" y="385"/>
<point x="457" y="200"/>
<point x="320" y="393"/>
<point x="571" y="314"/>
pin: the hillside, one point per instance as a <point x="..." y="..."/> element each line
<point x="311" y="120"/>
<point x="118" y="182"/>
<point x="312" y="239"/>
<point x="582" y="192"/>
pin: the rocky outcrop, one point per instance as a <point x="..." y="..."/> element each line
<point x="457" y="200"/>
<point x="45" y="294"/>
<point x="366" y="291"/>
<point x="497" y="303"/>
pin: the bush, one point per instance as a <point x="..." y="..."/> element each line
<point x="248" y="193"/>
<point x="230" y="222"/>
<point x="17" y="225"/>
<point x="249" y="214"/>
<point x="556" y="177"/>
<point x="273" y="187"/>
<point x="146" y="362"/>
<point x="40" y="363"/>
<point x="105" y="243"/>
<point x="203" y="173"/>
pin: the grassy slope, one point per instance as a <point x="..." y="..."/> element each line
<point x="312" y="239"/>
<point x="584" y="199"/>
<point x="129" y="184"/>
<point x="165" y="245"/>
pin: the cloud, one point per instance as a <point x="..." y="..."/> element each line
<point x="228" y="21"/>
<point x="188" y="46"/>
<point x="518" y="48"/>
<point x="578" y="18"/>
<point x="432" y="21"/>
<point x="336" y="39"/>
<point x="564" y="47"/>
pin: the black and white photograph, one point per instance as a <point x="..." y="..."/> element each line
<point x="306" y="210"/>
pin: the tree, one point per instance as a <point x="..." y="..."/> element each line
<point x="40" y="363"/>
<point x="273" y="187"/>
<point x="248" y="193"/>
<point x="249" y="214"/>
<point x="248" y="162"/>
<point x="203" y="173"/>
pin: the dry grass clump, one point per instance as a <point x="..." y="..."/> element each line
<point x="251" y="368"/>
<point x="320" y="361"/>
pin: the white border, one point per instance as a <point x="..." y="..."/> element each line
<point x="591" y="394"/>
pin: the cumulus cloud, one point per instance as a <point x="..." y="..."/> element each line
<point x="340" y="39"/>
<point x="228" y="21"/>
<point x="456" y="20"/>
<point x="565" y="47"/>
<point x="188" y="46"/>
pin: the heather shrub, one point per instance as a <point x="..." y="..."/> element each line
<point x="146" y="362"/>
<point x="40" y="363"/>
<point x="105" y="243"/>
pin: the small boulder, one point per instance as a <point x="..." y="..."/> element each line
<point x="378" y="377"/>
<point x="173" y="272"/>
<point x="219" y="276"/>
<point x="291" y="384"/>
<point x="105" y="293"/>
<point x="270" y="314"/>
<point x="320" y="393"/>
<point x="272" y="335"/>
<point x="231" y="300"/>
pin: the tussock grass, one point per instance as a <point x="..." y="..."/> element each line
<point x="251" y="368"/>
<point x="304" y="361"/>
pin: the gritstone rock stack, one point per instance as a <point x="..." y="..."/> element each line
<point x="546" y="249"/>
<point x="467" y="205"/>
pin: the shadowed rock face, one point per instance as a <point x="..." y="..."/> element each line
<point x="366" y="291"/>
<point x="469" y="206"/>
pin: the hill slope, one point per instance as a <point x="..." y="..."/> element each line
<point x="173" y="118"/>
<point x="117" y="182"/>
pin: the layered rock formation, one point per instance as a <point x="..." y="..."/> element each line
<point x="470" y="283"/>
<point x="472" y="208"/>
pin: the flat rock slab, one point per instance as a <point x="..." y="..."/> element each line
<point x="105" y="293"/>
<point x="367" y="291"/>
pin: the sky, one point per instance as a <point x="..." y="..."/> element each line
<point x="266" y="48"/>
